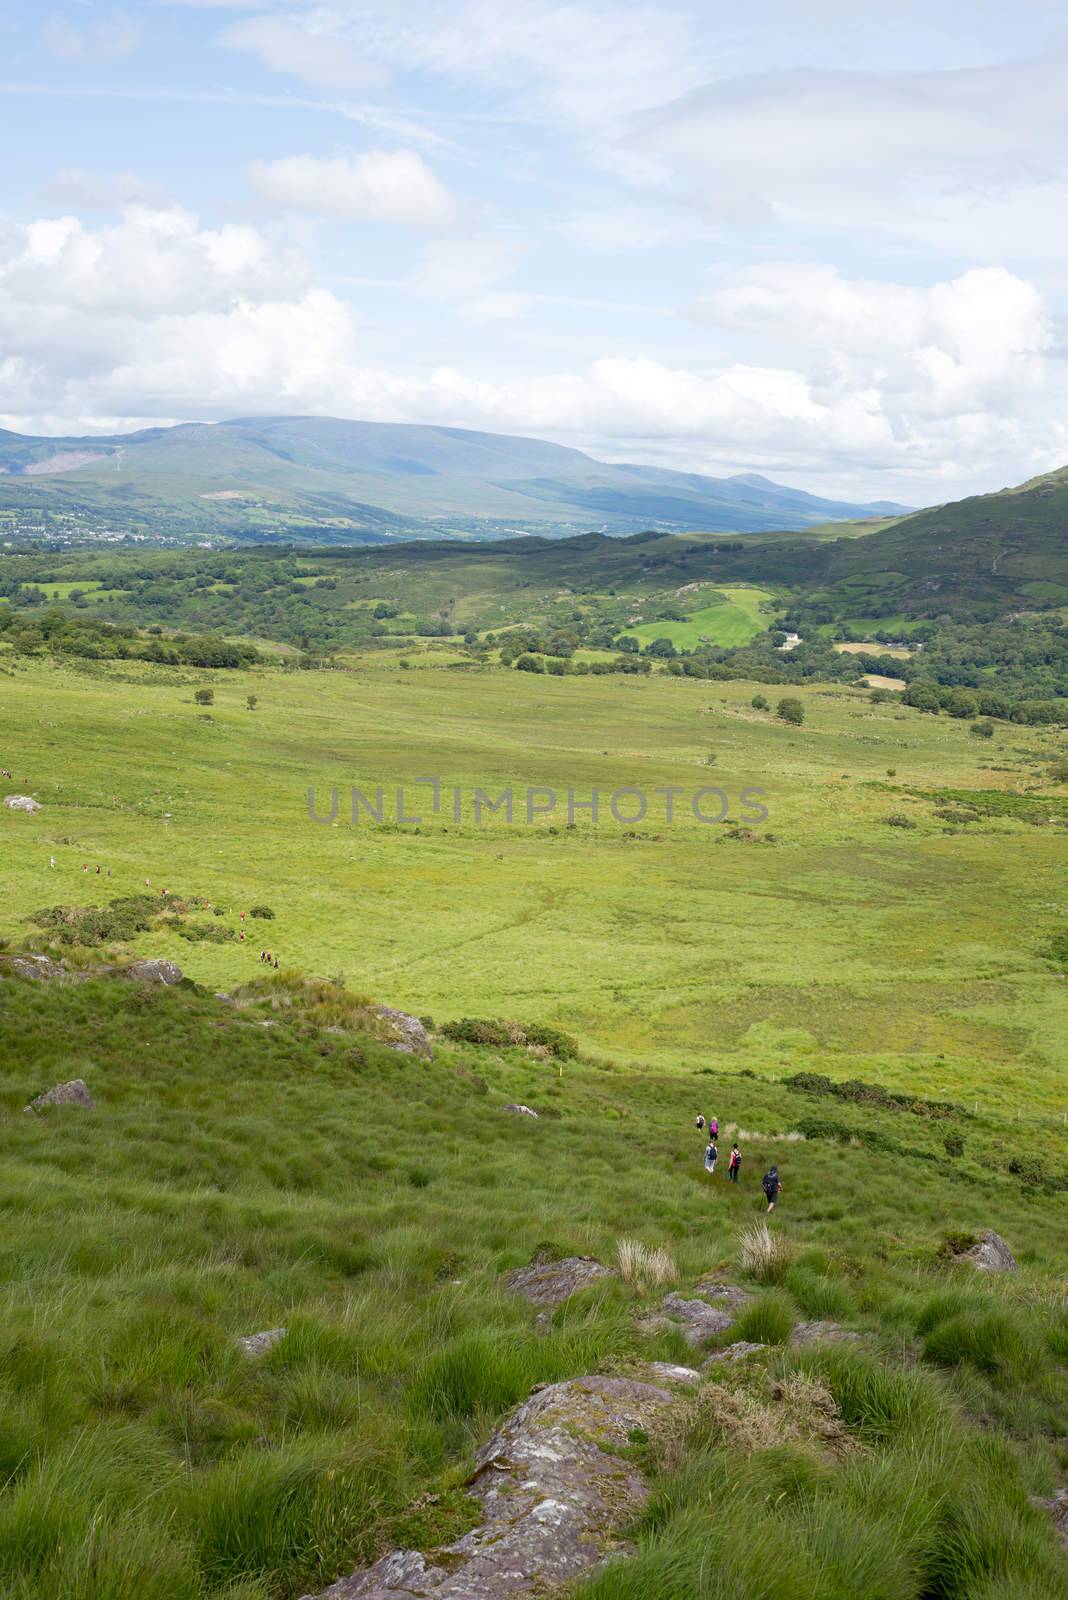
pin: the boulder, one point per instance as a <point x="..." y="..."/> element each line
<point x="728" y="1296"/>
<point x="41" y="968"/>
<point x="990" y="1253"/>
<point x="550" y="1283"/>
<point x="21" y="802"/>
<point x="258" y="1344"/>
<point x="555" y="1488"/>
<point x="696" y="1319"/>
<point x="813" y="1332"/>
<point x="522" y="1111"/>
<point x="155" y="971"/>
<point x="74" y="1093"/>
<point x="403" y="1032"/>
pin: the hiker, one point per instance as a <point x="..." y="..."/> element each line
<point x="772" y="1187"/>
<point x="713" y="1128"/>
<point x="733" y="1164"/>
<point x="276" y="963"/>
<point x="98" y="869"/>
<point x="710" y="1157"/>
<point x="51" y="861"/>
<point x="699" y="1124"/>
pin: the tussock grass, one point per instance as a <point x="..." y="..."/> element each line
<point x="768" y="1320"/>
<point x="764" y="1255"/>
<point x="644" y="1266"/>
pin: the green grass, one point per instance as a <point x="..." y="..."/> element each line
<point x="236" y="1176"/>
<point x="738" y="615"/>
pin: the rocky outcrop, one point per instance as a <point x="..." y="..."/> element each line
<point x="736" y="1352"/>
<point x="21" y="802"/>
<point x="41" y="968"/>
<point x="668" y="1372"/>
<point x="814" y="1332"/>
<point x="990" y="1253"/>
<point x="403" y="1032"/>
<point x="522" y="1111"/>
<point x="74" y="1093"/>
<point x="555" y="1488"/>
<point x="696" y="1319"/>
<point x="156" y="971"/>
<point x="550" y="1283"/>
<point x="258" y="1344"/>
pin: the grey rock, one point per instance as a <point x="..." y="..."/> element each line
<point x="813" y="1332"/>
<point x="156" y="971"/>
<point x="403" y="1032"/>
<point x="522" y="1111"/>
<point x="74" y="1093"/>
<point x="549" y="1283"/>
<point x="728" y="1296"/>
<point x="735" y="1352"/>
<point x="990" y="1253"/>
<point x="554" y="1489"/>
<point x="667" y="1372"/>
<point x="21" y="802"/>
<point x="258" y="1344"/>
<point x="41" y="968"/>
<point x="697" y="1320"/>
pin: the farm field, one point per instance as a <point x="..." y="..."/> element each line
<point x="738" y="616"/>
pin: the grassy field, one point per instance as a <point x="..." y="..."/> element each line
<point x="913" y="954"/>
<point x="261" y="1162"/>
<point x="737" y="615"/>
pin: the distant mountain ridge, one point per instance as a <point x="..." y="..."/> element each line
<point x="351" y="481"/>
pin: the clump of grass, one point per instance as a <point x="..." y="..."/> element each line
<point x="882" y="1402"/>
<point x="818" y="1295"/>
<point x="764" y="1255"/>
<point x="769" y="1320"/>
<point x="644" y="1267"/>
<point x="995" y="1342"/>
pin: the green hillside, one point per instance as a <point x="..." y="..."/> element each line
<point x="879" y="1009"/>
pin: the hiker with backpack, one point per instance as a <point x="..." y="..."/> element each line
<point x="700" y="1123"/>
<point x="710" y="1156"/>
<point x="713" y="1128"/>
<point x="733" y="1164"/>
<point x="772" y="1187"/>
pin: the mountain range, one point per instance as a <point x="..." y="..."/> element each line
<point x="343" y="481"/>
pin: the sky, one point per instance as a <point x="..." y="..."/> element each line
<point x="827" y="243"/>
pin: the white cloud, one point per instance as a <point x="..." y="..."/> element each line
<point x="109" y="39"/>
<point x="157" y="316"/>
<point x="961" y="159"/>
<point x="378" y="186"/>
<point x="75" y="189"/>
<point x="320" y="57"/>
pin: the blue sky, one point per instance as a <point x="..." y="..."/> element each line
<point x="829" y="246"/>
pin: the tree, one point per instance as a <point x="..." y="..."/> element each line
<point x="759" y="702"/>
<point x="662" y="648"/>
<point x="205" y="697"/>
<point x="982" y="730"/>
<point x="790" y="710"/>
<point x="252" y="701"/>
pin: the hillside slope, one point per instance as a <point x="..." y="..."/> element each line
<point x="348" y="480"/>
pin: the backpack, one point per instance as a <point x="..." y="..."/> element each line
<point x="770" y="1185"/>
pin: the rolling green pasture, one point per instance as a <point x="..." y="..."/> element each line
<point x="820" y="938"/>
<point x="736" y="615"/>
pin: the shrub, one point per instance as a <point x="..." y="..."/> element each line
<point x="559" y="1044"/>
<point x="205" y="697"/>
<point x="768" y="1320"/>
<point x="263" y="912"/>
<point x="898" y="819"/>
<point x="759" y="702"/>
<point x="954" y="1144"/>
<point x="764" y="1255"/>
<point x="982" y="730"/>
<point x="791" y="710"/>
